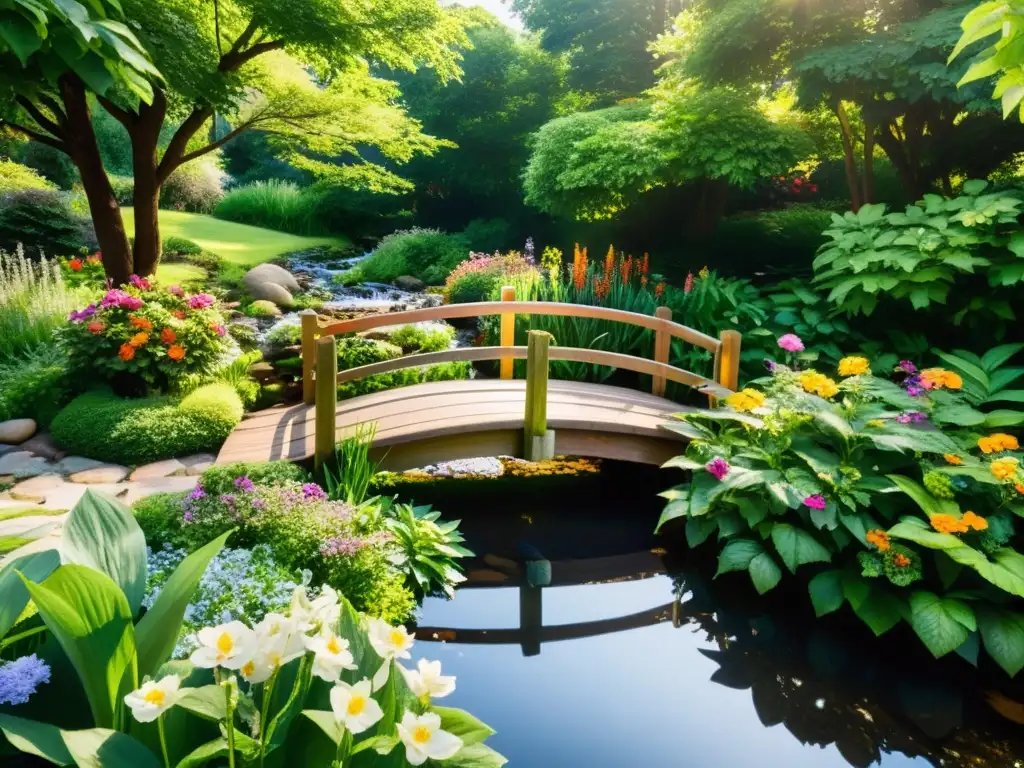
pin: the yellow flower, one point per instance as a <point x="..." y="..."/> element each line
<point x="876" y="423"/>
<point x="704" y="273"/>
<point x="953" y="459"/>
<point x="854" y="366"/>
<point x="948" y="524"/>
<point x="879" y="538"/>
<point x="744" y="401"/>
<point x="818" y="384"/>
<point x="974" y="521"/>
<point x="1004" y="469"/>
<point x="998" y="442"/>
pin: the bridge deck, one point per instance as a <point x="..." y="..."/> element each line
<point x="445" y="420"/>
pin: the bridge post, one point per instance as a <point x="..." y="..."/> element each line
<point x="662" y="346"/>
<point x="508" y="332"/>
<point x="727" y="360"/>
<point x="538" y="440"/>
<point x="309" y="329"/>
<point x="326" y="400"/>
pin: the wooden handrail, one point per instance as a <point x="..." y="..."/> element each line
<point x="550" y="308"/>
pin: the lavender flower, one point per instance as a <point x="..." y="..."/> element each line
<point x="908" y="417"/>
<point x="907" y="367"/>
<point x="196" y="494"/>
<point x="769" y="365"/>
<point x="82" y="314"/>
<point x="19" y="679"/>
<point x="313" y="491"/>
<point x="244" y="484"/>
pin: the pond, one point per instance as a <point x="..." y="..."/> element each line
<point x="606" y="667"/>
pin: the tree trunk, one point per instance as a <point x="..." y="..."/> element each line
<point x="106" y="214"/>
<point x="712" y="199"/>
<point x="849" y="160"/>
<point x="894" y="150"/>
<point x="145" y="134"/>
<point x="869" y="163"/>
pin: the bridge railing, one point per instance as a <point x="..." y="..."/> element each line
<point x="319" y="350"/>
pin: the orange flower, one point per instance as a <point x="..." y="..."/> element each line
<point x="948" y="524"/>
<point x="180" y="314"/>
<point x="127" y="352"/>
<point x="952" y="458"/>
<point x="625" y="269"/>
<point x="998" y="442"/>
<point x="95" y="327"/>
<point x="900" y="560"/>
<point x="974" y="521"/>
<point x="601" y="287"/>
<point x="75" y="265"/>
<point x="645" y="265"/>
<point x="579" y="267"/>
<point x="141" y="323"/>
<point x="176" y="352"/>
<point x="96" y="258"/>
<point x="879" y="538"/>
<point x="1004" y="469"/>
<point x="1019" y="487"/>
<point x="643" y="281"/>
<point x="940" y="378"/>
<point x="659" y="290"/>
<point x="139" y="339"/>
<point x="167" y="336"/>
<point x="609" y="262"/>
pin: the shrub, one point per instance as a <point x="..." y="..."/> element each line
<point x="427" y="254"/>
<point x="355" y="351"/>
<point x="52" y="164"/>
<point x="34" y="384"/>
<point x="414" y="338"/>
<point x="124" y="188"/>
<point x="197" y="186"/>
<point x="42" y="220"/>
<point x="159" y="516"/>
<point x="480" y="275"/>
<point x="488" y="235"/>
<point x="285" y="335"/>
<point x="262" y="308"/>
<point x="243" y="335"/>
<point x="180" y="246"/>
<point x="781" y="240"/>
<point x="404" y="378"/>
<point x="221" y="479"/>
<point x="273" y="204"/>
<point x="102" y="426"/>
<point x="143" y="332"/>
<point x="15" y="177"/>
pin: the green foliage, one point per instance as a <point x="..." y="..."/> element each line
<point x="15" y="177"/>
<point x="1003" y="57"/>
<point x="43" y="222"/>
<point x="481" y="275"/>
<point x="108" y="428"/>
<point x="262" y="308"/>
<point x="197" y="186"/>
<point x="404" y="378"/>
<point x="221" y="478"/>
<point x="489" y="235"/>
<point x="52" y="164"/>
<point x="427" y="254"/>
<point x="416" y="338"/>
<point x="348" y="477"/>
<point x="285" y="335"/>
<point x="180" y="246"/>
<point x="987" y="378"/>
<point x="781" y="240"/>
<point x="273" y="204"/>
<point x="920" y="255"/>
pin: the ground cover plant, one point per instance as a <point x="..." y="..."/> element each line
<point x="426" y="254"/>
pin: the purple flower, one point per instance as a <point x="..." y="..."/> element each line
<point x="907" y="367"/>
<point x="816" y="501"/>
<point x="244" y="484"/>
<point x="20" y="678"/>
<point x="82" y="314"/>
<point x="259" y="503"/>
<point x="769" y="365"/>
<point x="196" y="494"/>
<point x="227" y="498"/>
<point x="201" y="301"/>
<point x="914" y="391"/>
<point x="313" y="491"/>
<point x="791" y="343"/>
<point x="908" y="417"/>
<point x="187" y="517"/>
<point x="718" y="467"/>
<point x="343" y="545"/>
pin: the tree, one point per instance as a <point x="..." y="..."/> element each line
<point x="1004" y="57"/>
<point x="295" y="70"/>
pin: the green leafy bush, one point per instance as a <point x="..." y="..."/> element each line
<point x="355" y="351"/>
<point x="920" y="255"/>
<point x="197" y="186"/>
<point x="427" y="254"/>
<point x="414" y="338"/>
<point x="180" y="246"/>
<point x="262" y="308"/>
<point x="124" y="188"/>
<point x="781" y="240"/>
<point x="43" y="222"/>
<point x="102" y="426"/>
<point x="893" y="484"/>
<point x="273" y="204"/>
<point x="51" y="163"/>
<point x="243" y="335"/>
<point x="221" y="478"/>
<point x="481" y="275"/>
<point x="35" y="384"/>
<point x="489" y="235"/>
<point x="285" y="335"/>
<point x="15" y="177"/>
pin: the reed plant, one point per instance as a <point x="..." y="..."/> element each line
<point x="34" y="301"/>
<point x="349" y="478"/>
<point x="274" y="204"/>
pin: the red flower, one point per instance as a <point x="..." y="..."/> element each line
<point x="659" y="290"/>
<point x="688" y="285"/>
<point x="813" y="187"/>
<point x="798" y="181"/>
<point x="95" y="327"/>
<point x="167" y="336"/>
<point x="75" y="265"/>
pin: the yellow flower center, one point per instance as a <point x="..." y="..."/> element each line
<point x="397" y="637"/>
<point x="248" y="669"/>
<point x="155" y="697"/>
<point x="356" y="705"/>
<point x="334" y="646"/>
<point x="421" y="735"/>
<point x="225" y="643"/>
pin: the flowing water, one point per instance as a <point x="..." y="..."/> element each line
<point x="583" y="642"/>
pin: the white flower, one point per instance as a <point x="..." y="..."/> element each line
<point x="390" y="642"/>
<point x="331" y="655"/>
<point x="154" y="698"/>
<point x="427" y="680"/>
<point x="423" y="738"/>
<point x="280" y="635"/>
<point x="229" y="645"/>
<point x="325" y="611"/>
<point x="353" y="706"/>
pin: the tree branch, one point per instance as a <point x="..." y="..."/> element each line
<point x="55" y="107"/>
<point x="216" y="144"/>
<point x="232" y="61"/>
<point x="42" y="120"/>
<point x="36" y="136"/>
<point x="123" y="116"/>
<point x="176" y="148"/>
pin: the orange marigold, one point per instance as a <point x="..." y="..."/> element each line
<point x="127" y="352"/>
<point x="139" y="339"/>
<point x="948" y="524"/>
<point x="75" y="265"/>
<point x="940" y="378"/>
<point x="1004" y="469"/>
<point x="659" y="290"/>
<point x="971" y="520"/>
<point x="141" y="323"/>
<point x="180" y="314"/>
<point x="900" y="560"/>
<point x="176" y="352"/>
<point x="167" y="336"/>
<point x="1019" y="487"/>
<point x="952" y="458"/>
<point x="95" y="327"/>
<point x="879" y="538"/>
<point x="998" y="442"/>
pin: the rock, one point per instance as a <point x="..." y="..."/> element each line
<point x="71" y="465"/>
<point x="5" y="448"/>
<point x="196" y="459"/>
<point x="198" y="469"/>
<point x="270" y="273"/>
<point x="41" y="444"/>
<point x="106" y="473"/>
<point x="410" y="284"/>
<point x="262" y="371"/>
<point x="272" y="292"/>
<point x="157" y="469"/>
<point x="17" y="431"/>
<point x="23" y="464"/>
<point x="144" y="488"/>
<point x="35" y="489"/>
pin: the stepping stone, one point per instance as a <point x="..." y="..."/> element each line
<point x="35" y="489"/>
<point x="37" y="525"/>
<point x="42" y="444"/>
<point x="67" y="495"/>
<point x="198" y="463"/>
<point x="105" y="473"/>
<point x="158" y="469"/>
<point x="23" y="464"/>
<point x="5" y="448"/>
<point x="17" y="431"/>
<point x="71" y="465"/>
<point x="132" y="492"/>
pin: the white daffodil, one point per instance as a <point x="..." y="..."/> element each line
<point x="427" y="680"/>
<point x="424" y="739"/>
<point x="324" y="612"/>
<point x="353" y="707"/>
<point x="331" y="655"/>
<point x="230" y="645"/>
<point x="281" y="635"/>
<point x="390" y="642"/>
<point x="154" y="698"/>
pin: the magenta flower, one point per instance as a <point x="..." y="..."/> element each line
<point x="313" y="491"/>
<point x="791" y="343"/>
<point x="140" y="282"/>
<point x="914" y="391"/>
<point x="243" y="484"/>
<point x="219" y="329"/>
<point x="907" y="367"/>
<point x="817" y="501"/>
<point x="718" y="467"/>
<point x="908" y="417"/>
<point x="201" y="301"/>
<point x="118" y="298"/>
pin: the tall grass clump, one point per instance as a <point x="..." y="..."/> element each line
<point x="34" y="300"/>
<point x="349" y="479"/>
<point x="274" y="204"/>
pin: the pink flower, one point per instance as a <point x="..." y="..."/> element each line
<point x="118" y="298"/>
<point x="791" y="343"/>
<point x="688" y="285"/>
<point x="201" y="301"/>
<point x="219" y="329"/>
<point x="817" y="501"/>
<point x="718" y="467"/>
<point x="140" y="282"/>
<point x="175" y="290"/>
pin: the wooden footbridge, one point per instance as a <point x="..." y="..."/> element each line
<point x="532" y="418"/>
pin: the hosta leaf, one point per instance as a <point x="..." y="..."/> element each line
<point x="797" y="547"/>
<point x="1002" y="633"/>
<point x="764" y="573"/>
<point x="941" y="623"/>
<point x="826" y="591"/>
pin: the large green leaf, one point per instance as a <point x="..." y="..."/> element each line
<point x="473" y="756"/>
<point x="35" y="738"/>
<point x="958" y="414"/>
<point x="927" y="502"/>
<point x="207" y="702"/>
<point x="797" y="547"/>
<point x="942" y="623"/>
<point x="90" y="617"/>
<point x="879" y="609"/>
<point x="101" y="533"/>
<point x="1002" y="633"/>
<point x="158" y="630"/>
<point x="204" y="753"/>
<point x="13" y="595"/>
<point x="463" y="725"/>
<point x="737" y="555"/>
<point x="996" y="419"/>
<point x="327" y="723"/>
<point x="764" y="573"/>
<point x="103" y="748"/>
<point x="826" y="591"/>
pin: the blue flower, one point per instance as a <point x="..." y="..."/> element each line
<point x="20" y="678"/>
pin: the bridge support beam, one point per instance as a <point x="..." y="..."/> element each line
<point x="538" y="440"/>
